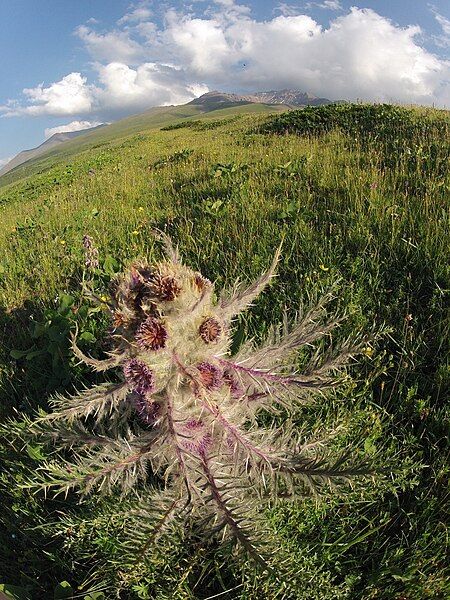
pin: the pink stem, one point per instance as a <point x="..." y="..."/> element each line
<point x="273" y="377"/>
<point x="186" y="373"/>
<point x="234" y="431"/>
<point x="228" y="516"/>
<point x="173" y="433"/>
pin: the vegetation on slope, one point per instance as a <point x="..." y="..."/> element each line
<point x="154" y="118"/>
<point x="360" y="206"/>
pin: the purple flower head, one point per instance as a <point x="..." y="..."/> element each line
<point x="139" y="376"/>
<point x="165" y="287"/>
<point x="210" y="330"/>
<point x="152" y="334"/>
<point x="147" y="410"/>
<point x="135" y="278"/>
<point x="210" y="376"/>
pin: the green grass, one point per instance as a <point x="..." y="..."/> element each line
<point x="152" y="119"/>
<point x="366" y="212"/>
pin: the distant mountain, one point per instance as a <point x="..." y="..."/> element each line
<point x="290" y="97"/>
<point x="54" y="140"/>
<point x="215" y="99"/>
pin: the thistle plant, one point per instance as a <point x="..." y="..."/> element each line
<point x="182" y="425"/>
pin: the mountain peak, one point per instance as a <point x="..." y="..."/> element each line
<point x="216" y="98"/>
<point x="289" y="97"/>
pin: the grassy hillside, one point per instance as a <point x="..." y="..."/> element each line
<point x="154" y="118"/>
<point x="361" y="202"/>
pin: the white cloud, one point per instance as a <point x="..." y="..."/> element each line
<point x="229" y="9"/>
<point x="73" y="126"/>
<point x="150" y="84"/>
<point x="444" y="23"/>
<point x="111" y="46"/>
<point x="329" y="5"/>
<point x="121" y="90"/>
<point x="69" y="96"/>
<point x="287" y="10"/>
<point x="201" y="45"/>
<point x="142" y="12"/>
<point x="360" y="54"/>
<point x="443" y="39"/>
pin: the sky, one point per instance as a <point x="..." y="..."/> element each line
<point x="68" y="65"/>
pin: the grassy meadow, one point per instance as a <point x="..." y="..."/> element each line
<point x="359" y="197"/>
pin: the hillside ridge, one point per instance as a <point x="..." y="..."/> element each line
<point x="51" y="142"/>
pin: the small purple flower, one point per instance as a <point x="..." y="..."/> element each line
<point x="90" y="253"/>
<point x="139" y="376"/>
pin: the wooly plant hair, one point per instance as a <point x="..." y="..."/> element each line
<point x="184" y="419"/>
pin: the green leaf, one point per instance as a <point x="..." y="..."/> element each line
<point x="63" y="591"/>
<point x="66" y="301"/>
<point x="34" y="353"/>
<point x="17" y="354"/>
<point x="83" y="311"/>
<point x="34" y="452"/>
<point x="369" y="446"/>
<point x="110" y="265"/>
<point x="39" y="330"/>
<point x="87" y="336"/>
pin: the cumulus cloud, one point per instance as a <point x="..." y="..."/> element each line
<point x="109" y="46"/>
<point x="150" y="84"/>
<point x="73" y="126"/>
<point x="359" y="55"/>
<point x="120" y="90"/>
<point x="69" y="96"/>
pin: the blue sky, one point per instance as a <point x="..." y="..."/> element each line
<point x="75" y="63"/>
